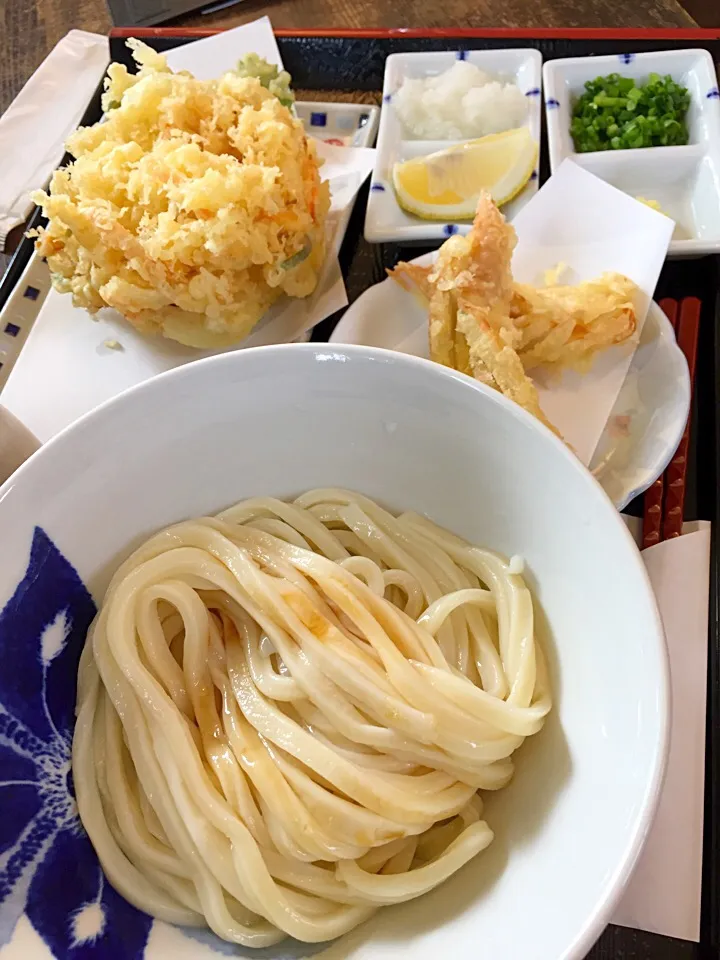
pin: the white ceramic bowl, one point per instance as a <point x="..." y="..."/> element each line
<point x="684" y="180"/>
<point x="279" y="420"/>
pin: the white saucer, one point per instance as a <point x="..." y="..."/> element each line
<point x="646" y="423"/>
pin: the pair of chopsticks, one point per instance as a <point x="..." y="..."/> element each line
<point x="665" y="500"/>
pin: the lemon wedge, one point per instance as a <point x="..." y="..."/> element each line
<point x="446" y="185"/>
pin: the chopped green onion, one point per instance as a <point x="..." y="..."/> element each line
<point x="615" y="113"/>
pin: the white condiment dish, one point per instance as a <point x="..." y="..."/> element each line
<point x="683" y="180"/>
<point x="385" y="220"/>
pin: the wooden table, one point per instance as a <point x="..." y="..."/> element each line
<point x="32" y="27"/>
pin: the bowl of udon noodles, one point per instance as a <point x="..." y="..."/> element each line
<point x="326" y="651"/>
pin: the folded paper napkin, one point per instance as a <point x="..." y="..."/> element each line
<point x="34" y="128"/>
<point x="664" y="891"/>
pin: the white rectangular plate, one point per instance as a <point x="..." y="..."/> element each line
<point x="385" y="220"/>
<point x="685" y="180"/>
<point x="67" y="358"/>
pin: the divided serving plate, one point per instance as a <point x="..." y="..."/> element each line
<point x="684" y="180"/>
<point x="384" y="219"/>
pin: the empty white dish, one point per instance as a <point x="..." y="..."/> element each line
<point x="417" y="436"/>
<point x="384" y="219"/>
<point x="683" y="180"/>
<point x="340" y="124"/>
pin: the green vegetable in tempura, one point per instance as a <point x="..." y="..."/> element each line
<point x="274" y="80"/>
<point x="615" y="113"/>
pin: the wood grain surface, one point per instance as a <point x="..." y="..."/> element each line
<point x="30" y="28"/>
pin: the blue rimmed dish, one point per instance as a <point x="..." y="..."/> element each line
<point x="684" y="181"/>
<point x="385" y="220"/>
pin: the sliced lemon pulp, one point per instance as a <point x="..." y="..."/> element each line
<point x="446" y="185"/>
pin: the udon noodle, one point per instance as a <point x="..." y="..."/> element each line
<point x="287" y="714"/>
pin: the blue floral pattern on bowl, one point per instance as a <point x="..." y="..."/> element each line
<point x="48" y="869"/>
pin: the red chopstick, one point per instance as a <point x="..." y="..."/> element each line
<point x="653" y="500"/>
<point x="688" y="329"/>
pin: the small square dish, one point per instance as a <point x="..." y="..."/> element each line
<point x="682" y="181"/>
<point x="385" y="220"/>
<point x="19" y="312"/>
<point x="341" y="124"/>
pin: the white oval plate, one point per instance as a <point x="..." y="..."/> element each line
<point x="646" y="423"/>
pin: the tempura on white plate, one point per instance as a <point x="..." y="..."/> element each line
<point x="567" y="325"/>
<point x="484" y="324"/>
<point x="190" y="208"/>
